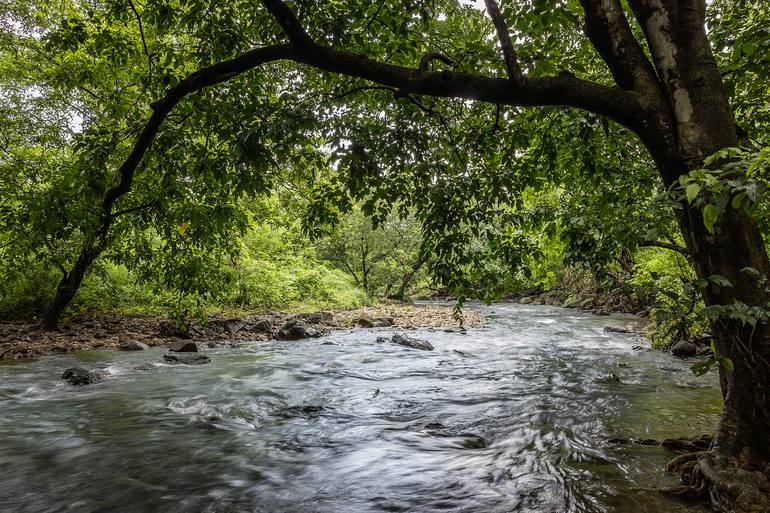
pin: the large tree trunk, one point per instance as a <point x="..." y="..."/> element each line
<point x="68" y="286"/>
<point x="734" y="472"/>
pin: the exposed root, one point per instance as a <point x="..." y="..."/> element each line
<point x="687" y="445"/>
<point x="724" y="481"/>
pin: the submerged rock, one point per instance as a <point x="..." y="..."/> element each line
<point x="133" y="345"/>
<point x="612" y="329"/>
<point x="472" y="441"/>
<point x="414" y="343"/>
<point x="79" y="376"/>
<point x="684" y="348"/>
<point x="310" y="410"/>
<point x="297" y="330"/>
<point x="187" y="358"/>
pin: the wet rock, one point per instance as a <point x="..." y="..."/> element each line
<point x="435" y="425"/>
<point x="79" y="376"/>
<point x="143" y="367"/>
<point x="638" y="348"/>
<point x="133" y="345"/>
<point x="612" y="329"/>
<point x="414" y="343"/>
<point x="187" y="358"/>
<point x="302" y="411"/>
<point x="684" y="348"/>
<point x="297" y="330"/>
<point x="184" y="347"/>
<point x="471" y="441"/>
<point x="609" y="378"/>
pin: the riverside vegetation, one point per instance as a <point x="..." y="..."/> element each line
<point x="203" y="163"/>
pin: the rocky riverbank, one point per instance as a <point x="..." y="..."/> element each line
<point x="26" y="339"/>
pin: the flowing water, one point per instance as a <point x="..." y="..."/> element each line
<point x="515" y="416"/>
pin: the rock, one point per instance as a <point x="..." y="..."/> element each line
<point x="609" y="378"/>
<point x="638" y="348"/>
<point x="414" y="343"/>
<point x="21" y="347"/>
<point x="302" y="411"/>
<point x="612" y="329"/>
<point x="184" y="347"/>
<point x="702" y="339"/>
<point x="263" y="326"/>
<point x="233" y="326"/>
<point x="297" y="330"/>
<point x="133" y="345"/>
<point x="471" y="441"/>
<point x="367" y="321"/>
<point x="78" y="376"/>
<point x="525" y="300"/>
<point x="187" y="358"/>
<point x="684" y="348"/>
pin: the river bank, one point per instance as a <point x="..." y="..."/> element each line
<point x="26" y="339"/>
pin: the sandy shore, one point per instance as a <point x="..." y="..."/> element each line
<point x="26" y="339"/>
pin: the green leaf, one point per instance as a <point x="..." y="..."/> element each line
<point x="692" y="191"/>
<point x="727" y="364"/>
<point x="738" y="200"/>
<point x="710" y="216"/>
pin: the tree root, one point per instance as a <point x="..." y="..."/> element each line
<point x="722" y="480"/>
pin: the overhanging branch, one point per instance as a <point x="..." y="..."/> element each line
<point x="509" y="52"/>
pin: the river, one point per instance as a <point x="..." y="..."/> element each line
<point x="515" y="416"/>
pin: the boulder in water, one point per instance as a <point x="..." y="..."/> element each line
<point x="187" y="358"/>
<point x="684" y="348"/>
<point x="133" y="345"/>
<point x="297" y="330"/>
<point x="79" y="376"/>
<point x="414" y="343"/>
<point x="184" y="347"/>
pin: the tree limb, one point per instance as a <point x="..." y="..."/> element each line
<point x="509" y="52"/>
<point x="609" y="32"/>
<point x="664" y="245"/>
<point x="433" y="56"/>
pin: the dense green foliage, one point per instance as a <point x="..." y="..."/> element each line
<point x="288" y="186"/>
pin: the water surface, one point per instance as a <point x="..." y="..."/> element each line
<point x="515" y="416"/>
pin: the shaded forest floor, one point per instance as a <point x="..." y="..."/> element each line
<point x="25" y="339"/>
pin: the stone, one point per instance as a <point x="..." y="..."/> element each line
<point x="684" y="348"/>
<point x="184" y="347"/>
<point x="187" y="358"/>
<point x="414" y="343"/>
<point x="233" y="326"/>
<point x="612" y="329"/>
<point x="78" y="376"/>
<point x="133" y="345"/>
<point x="472" y="441"/>
<point x="263" y="326"/>
<point x="310" y="410"/>
<point x="367" y="321"/>
<point x="297" y="330"/>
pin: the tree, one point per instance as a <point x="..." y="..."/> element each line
<point x="382" y="260"/>
<point x="664" y="86"/>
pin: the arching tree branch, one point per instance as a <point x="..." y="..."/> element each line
<point x="509" y="52"/>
